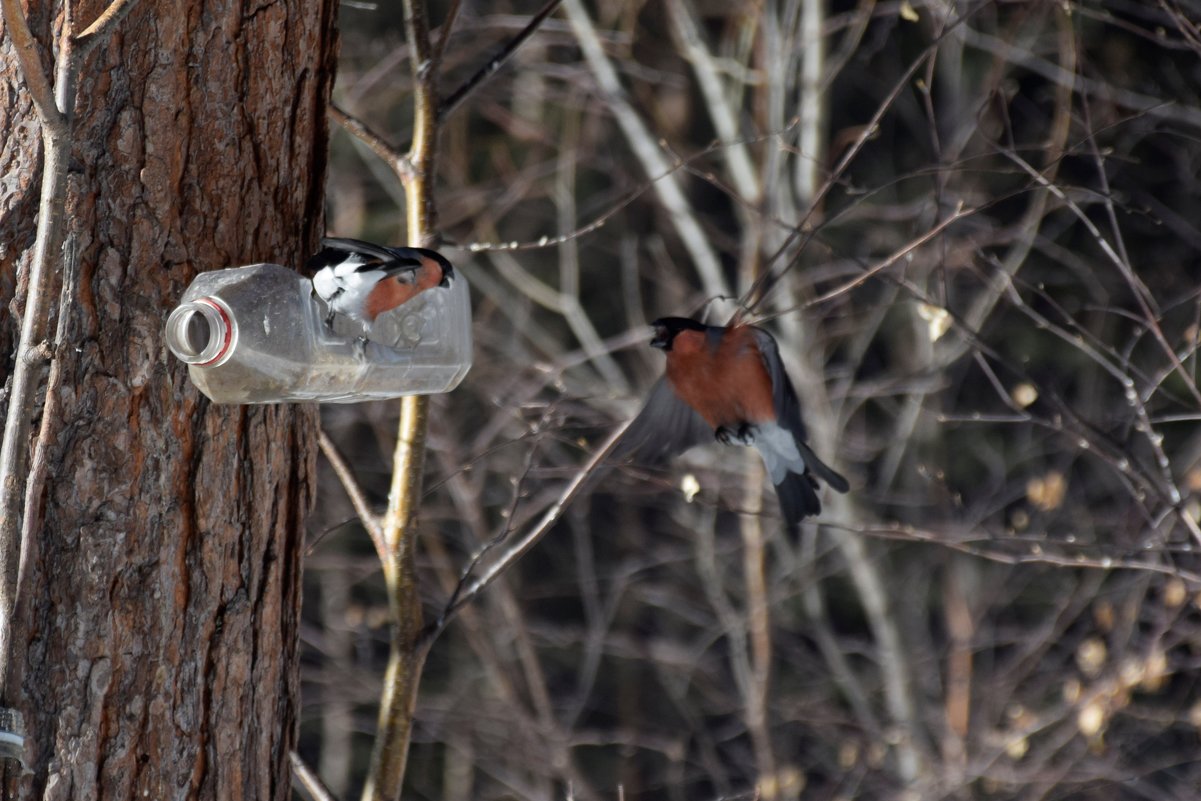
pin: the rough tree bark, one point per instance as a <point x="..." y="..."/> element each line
<point x="159" y="609"/>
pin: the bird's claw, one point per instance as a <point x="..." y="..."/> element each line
<point x="727" y="435"/>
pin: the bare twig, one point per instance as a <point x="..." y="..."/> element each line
<point x="894" y="661"/>
<point x="399" y="158"/>
<point x="899" y="254"/>
<point x="306" y="778"/>
<point x="38" y="462"/>
<point x="489" y="544"/>
<point x="692" y="236"/>
<point x="95" y="33"/>
<point x="448" y="105"/>
<point x="762" y="286"/>
<point x="567" y="303"/>
<point x="358" y="500"/>
<point x="811" y="101"/>
<point x="36" y="80"/>
<point x="396" y="159"/>
<point x="599" y="221"/>
<point x="758" y="620"/>
<point x="957" y="705"/>
<point x="839" y="667"/>
<point x="725" y="118"/>
<point x="448" y="25"/>
<point x="536" y="531"/>
<point x="1138" y="288"/>
<point x="1083" y="84"/>
<point x="1037" y="552"/>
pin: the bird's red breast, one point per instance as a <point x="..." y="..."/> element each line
<point x="727" y="384"/>
<point x="393" y="291"/>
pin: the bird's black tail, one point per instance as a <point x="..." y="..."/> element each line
<point x="798" y="497"/>
<point x="821" y="469"/>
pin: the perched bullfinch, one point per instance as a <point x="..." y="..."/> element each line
<point x="362" y="280"/>
<point x="729" y="384"/>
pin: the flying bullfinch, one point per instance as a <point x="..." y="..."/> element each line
<point x="729" y="384"/>
<point x="362" y="280"/>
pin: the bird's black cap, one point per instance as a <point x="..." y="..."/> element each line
<point x="666" y="329"/>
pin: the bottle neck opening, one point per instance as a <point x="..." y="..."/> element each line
<point x="201" y="332"/>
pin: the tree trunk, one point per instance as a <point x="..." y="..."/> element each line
<point x="159" y="608"/>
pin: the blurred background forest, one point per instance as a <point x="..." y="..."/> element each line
<point x="979" y="224"/>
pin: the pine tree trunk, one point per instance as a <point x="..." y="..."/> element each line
<point x="159" y="612"/>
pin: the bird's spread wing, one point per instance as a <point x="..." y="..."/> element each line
<point x="788" y="409"/>
<point x="784" y="399"/>
<point x="665" y="427"/>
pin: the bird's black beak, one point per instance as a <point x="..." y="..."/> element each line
<point x="448" y="273"/>
<point x="661" y="339"/>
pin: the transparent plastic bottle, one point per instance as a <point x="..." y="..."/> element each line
<point x="258" y="334"/>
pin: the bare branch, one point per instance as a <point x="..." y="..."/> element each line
<point x="102" y="26"/>
<point x="762" y="286"/>
<point x="32" y="353"/>
<point x="959" y="213"/>
<point x="407" y="654"/>
<point x="538" y="529"/>
<point x="758" y="621"/>
<point x="306" y="778"/>
<point x="31" y="65"/>
<point x="448" y="105"/>
<point x="448" y="25"/>
<point x="725" y="117"/>
<point x="692" y="236"/>
<point x="598" y="222"/>
<point x="1033" y="552"/>
<point x="397" y="160"/>
<point x="510" y="514"/>
<point x="1083" y="84"/>
<point x="811" y="101"/>
<point x="358" y="500"/>
<point x="1138" y="288"/>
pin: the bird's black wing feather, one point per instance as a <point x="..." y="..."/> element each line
<point x="326" y="257"/>
<point x="378" y="257"/>
<point x="358" y="246"/>
<point x="665" y="427"/>
<point x="788" y="411"/>
<point x="788" y="408"/>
